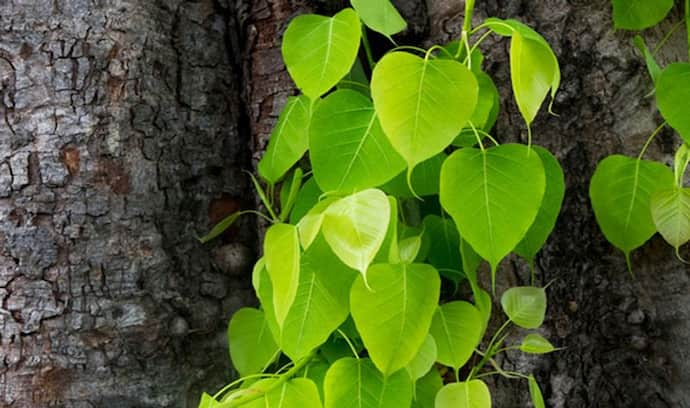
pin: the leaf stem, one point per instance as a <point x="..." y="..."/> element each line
<point x="490" y="352"/>
<point x="367" y="48"/>
<point x="649" y="141"/>
<point x="476" y="135"/>
<point x="349" y="343"/>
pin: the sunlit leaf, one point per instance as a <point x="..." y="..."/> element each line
<point x="671" y="214"/>
<point x="525" y="306"/>
<point x="457" y="328"/>
<point x="672" y="96"/>
<point x="534" y="343"/>
<point x="282" y="255"/>
<point x="380" y="16"/>
<point x="485" y="114"/>
<point x="471" y="394"/>
<point x="318" y="51"/>
<point x="252" y="346"/>
<point x="424" y="360"/>
<point x="297" y="392"/>
<point x="639" y="14"/>
<point x="310" y="224"/>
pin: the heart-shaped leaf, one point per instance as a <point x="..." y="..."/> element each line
<point x="298" y="392"/>
<point x="494" y="196"/>
<point x="282" y="254"/>
<point x="364" y="157"/>
<point x="252" y="346"/>
<point x="534" y="343"/>
<point x="355" y="227"/>
<point x="457" y="328"/>
<point x="671" y="214"/>
<point x="393" y="315"/>
<point x="289" y="139"/>
<point x="380" y="15"/>
<point x="639" y="14"/>
<point x="672" y="95"/>
<point x="318" y="51"/>
<point x="471" y="394"/>
<point x="408" y="93"/>
<point x="426" y="389"/>
<point x="357" y="383"/>
<point x="620" y="191"/>
<point x="525" y="306"/>
<point x="424" y="360"/>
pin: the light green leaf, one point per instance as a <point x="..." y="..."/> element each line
<point x="444" y="247"/>
<point x="534" y="343"/>
<point x="485" y="114"/>
<point x="484" y="304"/>
<point x="680" y="163"/>
<point x="425" y="179"/>
<point x="394" y="315"/>
<point x="298" y="392"/>
<point x="251" y="343"/>
<point x="264" y="291"/>
<point x="282" y="254"/>
<point x="652" y="66"/>
<point x="456" y="327"/>
<point x="288" y="193"/>
<point x="408" y="93"/>
<point x="525" y="306"/>
<point x="289" y="139"/>
<point x="550" y="207"/>
<point x="348" y="150"/>
<point x="424" y="360"/>
<point x="355" y="227"/>
<point x="471" y="394"/>
<point x="493" y="196"/>
<point x="639" y="14"/>
<point x="356" y="79"/>
<point x="620" y="191"/>
<point x="207" y="401"/>
<point x="321" y="303"/>
<point x="672" y="96"/>
<point x="380" y="15"/>
<point x="357" y="383"/>
<point x="310" y="225"/>
<point x="409" y="248"/>
<point x="535" y="393"/>
<point x="671" y="214"/>
<point x="318" y="51"/>
<point x="426" y="389"/>
<point x="307" y="198"/>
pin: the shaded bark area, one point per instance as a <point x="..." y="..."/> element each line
<point x="119" y="143"/>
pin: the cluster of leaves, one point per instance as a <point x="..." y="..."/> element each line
<point x="354" y="261"/>
<point x="634" y="198"/>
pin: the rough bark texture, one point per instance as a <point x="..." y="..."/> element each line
<point x="119" y="141"/>
<point x="124" y="126"/>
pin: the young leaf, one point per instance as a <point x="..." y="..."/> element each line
<point x="425" y="179"/>
<point x="394" y="313"/>
<point x="444" y="247"/>
<point x="426" y="389"/>
<point x="380" y="15"/>
<point x="639" y="14"/>
<point x="534" y="343"/>
<point x="671" y="214"/>
<point x="456" y="327"/>
<point x="220" y="228"/>
<point x="289" y="192"/>
<point x="652" y="66"/>
<point x="251" y="343"/>
<point x="355" y="227"/>
<point x="321" y="303"/>
<point x="318" y="51"/>
<point x="550" y="207"/>
<point x="408" y="93"/>
<point x="525" y="306"/>
<point x="424" y="360"/>
<point x="282" y="254"/>
<point x="672" y="95"/>
<point x="307" y="198"/>
<point x="535" y="393"/>
<point x="357" y="383"/>
<point x="471" y="394"/>
<point x="493" y="196"/>
<point x="364" y="157"/>
<point x="620" y="191"/>
<point x="298" y="392"/>
<point x="289" y="139"/>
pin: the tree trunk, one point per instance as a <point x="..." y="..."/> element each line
<point x="126" y="124"/>
<point x="120" y="141"/>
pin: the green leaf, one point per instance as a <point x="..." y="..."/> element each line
<point x="348" y="150"/>
<point x="282" y="254"/>
<point x="620" y="191"/>
<point x="207" y="401"/>
<point x="493" y="196"/>
<point x="652" y="66"/>
<point x="321" y="303"/>
<point x="252" y="346"/>
<point x="355" y="227"/>
<point x="426" y="389"/>
<point x="380" y="15"/>
<point x="672" y="95"/>
<point x="484" y="304"/>
<point x="357" y="383"/>
<point x="671" y="214"/>
<point x="220" y="228"/>
<point x="535" y="393"/>
<point x="425" y="179"/>
<point x="485" y="114"/>
<point x="424" y="360"/>
<point x="525" y="306"/>
<point x="307" y="198"/>
<point x="471" y="394"/>
<point x="389" y="252"/>
<point x="318" y="51"/>
<point x="264" y="291"/>
<point x="444" y="247"/>
<point x="288" y="193"/>
<point x="393" y="315"/>
<point x="316" y="371"/>
<point x="356" y="79"/>
<point x="680" y="163"/>
<point x="408" y="93"/>
<point x="310" y="225"/>
<point x="298" y="392"/>
<point x="456" y="327"/>
<point x="550" y="207"/>
<point x="639" y="14"/>
<point x="289" y="139"/>
<point x="534" y="343"/>
<point x="409" y="249"/>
